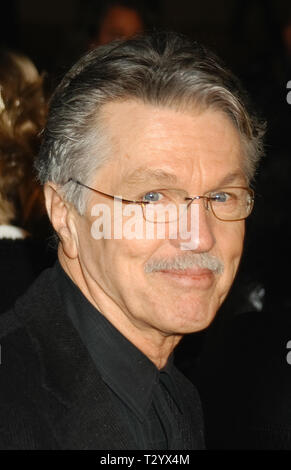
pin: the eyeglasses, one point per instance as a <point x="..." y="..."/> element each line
<point x="228" y="204"/>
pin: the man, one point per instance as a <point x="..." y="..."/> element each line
<point x="146" y="162"/>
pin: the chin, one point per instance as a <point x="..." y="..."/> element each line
<point x="196" y="326"/>
<point x="191" y="320"/>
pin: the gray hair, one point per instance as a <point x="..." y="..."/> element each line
<point x="163" y="69"/>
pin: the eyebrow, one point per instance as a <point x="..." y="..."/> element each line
<point x="231" y="177"/>
<point x="144" y="175"/>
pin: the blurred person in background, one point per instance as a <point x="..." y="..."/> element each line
<point x="22" y="215"/>
<point x="118" y="19"/>
<point x="101" y="22"/>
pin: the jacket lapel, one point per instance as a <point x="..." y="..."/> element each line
<point x="76" y="403"/>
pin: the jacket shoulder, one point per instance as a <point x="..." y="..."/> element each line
<point x="21" y="388"/>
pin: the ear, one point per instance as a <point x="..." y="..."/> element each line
<point x="62" y="219"/>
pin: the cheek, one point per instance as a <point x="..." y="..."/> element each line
<point x="90" y="250"/>
<point x="230" y="244"/>
<point x="119" y="268"/>
<point x="139" y="239"/>
<point x="131" y="255"/>
<point x="121" y="253"/>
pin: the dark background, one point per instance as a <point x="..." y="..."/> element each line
<point x="240" y="31"/>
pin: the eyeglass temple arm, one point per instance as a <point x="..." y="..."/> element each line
<point x="128" y="201"/>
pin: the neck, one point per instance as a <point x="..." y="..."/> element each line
<point x="154" y="344"/>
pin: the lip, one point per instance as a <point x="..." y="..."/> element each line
<point x="202" y="278"/>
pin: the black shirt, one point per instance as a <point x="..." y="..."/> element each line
<point x="147" y="399"/>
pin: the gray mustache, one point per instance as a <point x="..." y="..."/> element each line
<point x="186" y="261"/>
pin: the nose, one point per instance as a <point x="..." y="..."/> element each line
<point x="195" y="230"/>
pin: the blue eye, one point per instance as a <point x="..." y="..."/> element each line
<point x="152" y="196"/>
<point x="220" y="197"/>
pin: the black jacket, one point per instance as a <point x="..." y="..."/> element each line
<point x="51" y="394"/>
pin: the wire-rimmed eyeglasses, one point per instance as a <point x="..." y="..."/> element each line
<point x="228" y="204"/>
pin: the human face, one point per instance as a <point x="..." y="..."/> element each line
<point x="201" y="152"/>
<point x="119" y="22"/>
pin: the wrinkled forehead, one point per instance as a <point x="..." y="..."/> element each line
<point x="166" y="145"/>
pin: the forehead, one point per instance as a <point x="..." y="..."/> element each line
<point x="150" y="141"/>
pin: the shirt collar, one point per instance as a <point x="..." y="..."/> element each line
<point x="123" y="367"/>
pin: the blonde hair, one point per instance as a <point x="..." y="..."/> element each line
<point x="22" y="117"/>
